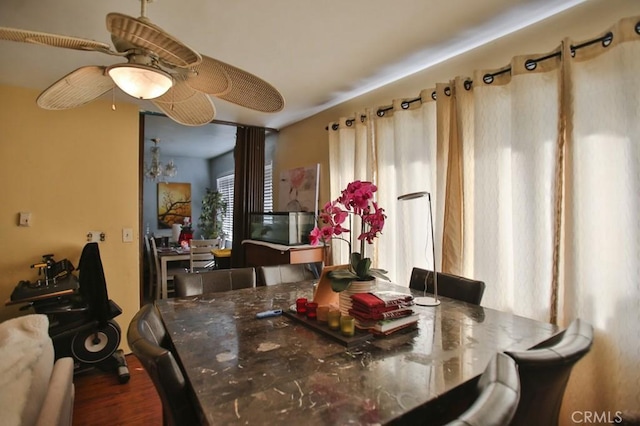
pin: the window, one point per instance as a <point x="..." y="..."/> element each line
<point x="268" y="187"/>
<point x="225" y="187"/>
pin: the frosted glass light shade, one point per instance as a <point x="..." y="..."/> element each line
<point x="140" y="81"/>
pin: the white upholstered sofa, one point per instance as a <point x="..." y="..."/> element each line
<point x="33" y="390"/>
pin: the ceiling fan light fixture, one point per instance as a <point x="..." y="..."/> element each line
<point x="140" y="81"/>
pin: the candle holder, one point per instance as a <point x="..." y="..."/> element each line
<point x="312" y="308"/>
<point x="323" y="313"/>
<point x="347" y="325"/>
<point x="301" y="306"/>
<point x="333" y="319"/>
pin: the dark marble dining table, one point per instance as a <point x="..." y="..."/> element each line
<point x="278" y="371"/>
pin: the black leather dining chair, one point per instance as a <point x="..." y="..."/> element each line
<point x="453" y="286"/>
<point x="498" y="392"/>
<point x="194" y="284"/>
<point x="148" y="341"/>
<point x="287" y="273"/>
<point x="544" y="372"/>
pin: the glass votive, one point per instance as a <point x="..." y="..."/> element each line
<point x="333" y="319"/>
<point x="301" y="306"/>
<point x="323" y="312"/>
<point x="312" y="309"/>
<point x="347" y="325"/>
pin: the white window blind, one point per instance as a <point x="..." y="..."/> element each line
<point x="268" y="187"/>
<point x="225" y="187"/>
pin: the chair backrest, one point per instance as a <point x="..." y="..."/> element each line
<point x="150" y="259"/>
<point x="498" y="395"/>
<point x="278" y="274"/>
<point x="544" y="373"/>
<point x="148" y="340"/>
<point x="453" y="286"/>
<point x="194" y="284"/>
<point x="200" y="254"/>
<point x="156" y="264"/>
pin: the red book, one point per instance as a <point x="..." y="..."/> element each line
<point x="379" y="309"/>
<point x="380" y="299"/>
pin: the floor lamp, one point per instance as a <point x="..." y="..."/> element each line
<point x="426" y="300"/>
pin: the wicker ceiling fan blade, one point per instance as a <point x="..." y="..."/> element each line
<point x="54" y="40"/>
<point x="250" y="91"/>
<point x="76" y="88"/>
<point x="209" y="77"/>
<point x="142" y="33"/>
<point x="186" y="105"/>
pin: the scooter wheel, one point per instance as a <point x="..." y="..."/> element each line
<point x="94" y="345"/>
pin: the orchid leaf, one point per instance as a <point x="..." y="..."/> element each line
<point x="379" y="273"/>
<point x="362" y="268"/>
<point x="340" y="284"/>
<point x="340" y="274"/>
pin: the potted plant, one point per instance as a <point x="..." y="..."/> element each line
<point x="356" y="199"/>
<point x="214" y="209"/>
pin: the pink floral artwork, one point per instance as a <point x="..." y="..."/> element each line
<point x="299" y="189"/>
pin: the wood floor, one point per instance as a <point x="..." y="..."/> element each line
<point x="101" y="400"/>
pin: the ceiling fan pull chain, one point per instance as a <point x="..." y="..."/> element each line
<point x="113" y="99"/>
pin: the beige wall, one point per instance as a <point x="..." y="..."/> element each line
<point x="75" y="171"/>
<point x="306" y="142"/>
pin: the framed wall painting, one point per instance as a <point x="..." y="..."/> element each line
<point x="298" y="191"/>
<point x="174" y="203"/>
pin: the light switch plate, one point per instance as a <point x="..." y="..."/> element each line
<point x="25" y="219"/>
<point x="127" y="235"/>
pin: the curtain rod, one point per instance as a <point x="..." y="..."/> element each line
<point x="488" y="78"/>
<point x="531" y="64"/>
<point x="225" y="123"/>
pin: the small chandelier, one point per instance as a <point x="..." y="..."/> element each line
<point x="156" y="170"/>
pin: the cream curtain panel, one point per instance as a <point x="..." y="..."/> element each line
<point x="509" y="160"/>
<point x="600" y="274"/>
<point x="374" y="146"/>
<point x="534" y="172"/>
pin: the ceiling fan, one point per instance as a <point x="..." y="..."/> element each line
<point x="159" y="67"/>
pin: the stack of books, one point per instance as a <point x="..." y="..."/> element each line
<point x="383" y="312"/>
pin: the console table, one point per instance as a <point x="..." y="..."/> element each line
<point x="259" y="253"/>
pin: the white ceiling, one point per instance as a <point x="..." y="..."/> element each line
<point x="316" y="53"/>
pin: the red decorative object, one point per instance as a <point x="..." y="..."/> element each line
<point x="301" y="306"/>
<point x="312" y="310"/>
<point x="185" y="235"/>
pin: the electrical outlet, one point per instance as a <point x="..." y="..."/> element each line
<point x="95" y="236"/>
<point x="127" y="235"/>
